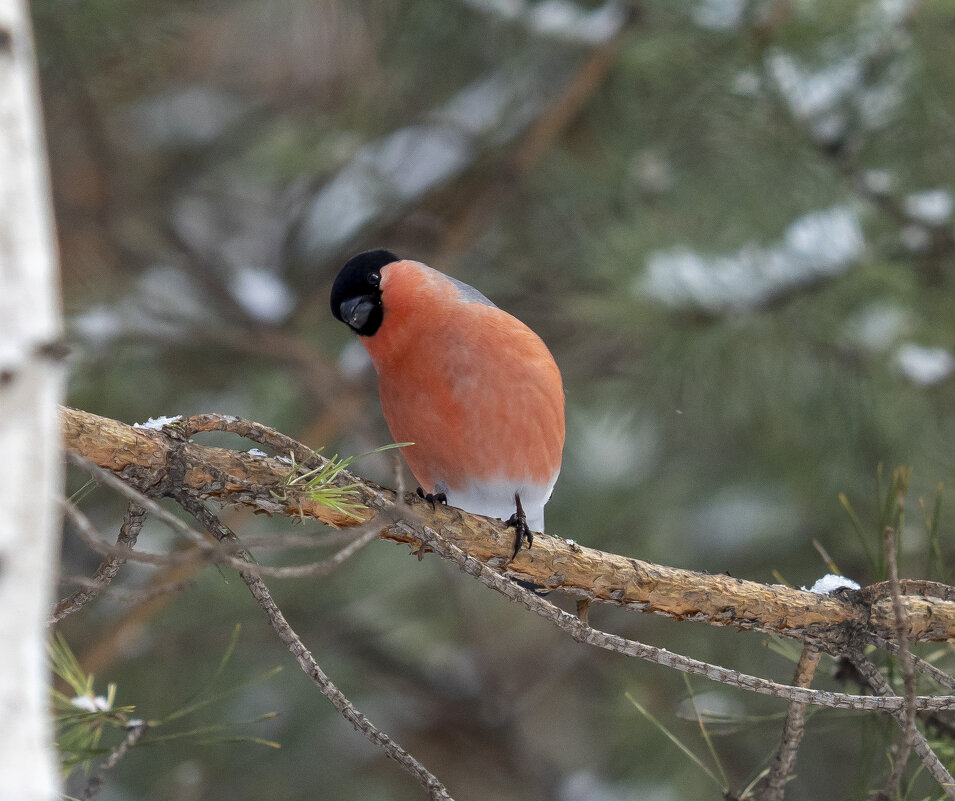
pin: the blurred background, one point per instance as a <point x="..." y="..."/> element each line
<point x="731" y="221"/>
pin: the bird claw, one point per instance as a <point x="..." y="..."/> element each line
<point x="432" y="498"/>
<point x="519" y="521"/>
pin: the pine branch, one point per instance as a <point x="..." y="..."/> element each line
<point x="793" y="729"/>
<point x="159" y="462"/>
<point x="106" y="572"/>
<point x="146" y="463"/>
<point x="311" y="668"/>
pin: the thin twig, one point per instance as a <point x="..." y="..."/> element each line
<point x="312" y="669"/>
<point x="249" y="429"/>
<point x="581" y="632"/>
<point x="106" y="572"/>
<point x="221" y="553"/>
<point x="133" y="597"/>
<point x="91" y="536"/>
<point x="113" y="481"/>
<point x="134" y="732"/>
<point x="283" y="540"/>
<point x="781" y="770"/>
<point x="402" y="523"/>
<point x="929" y="758"/>
<point x="414" y="529"/>
<point x="920" y="665"/>
<point x="894" y="782"/>
<point x="88" y="533"/>
<point x="158" y="462"/>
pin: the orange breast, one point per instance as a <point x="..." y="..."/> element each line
<point x="472" y="387"/>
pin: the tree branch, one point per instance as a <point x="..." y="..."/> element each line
<point x="793" y="729"/>
<point x="148" y="463"/>
<point x="106" y="572"/>
<point x="307" y="662"/>
<point x="160" y="462"/>
<point x="894" y="782"/>
<point x="929" y="758"/>
<point x="134" y="732"/>
<point x="223" y="552"/>
<point x="406" y="520"/>
<point x="582" y="632"/>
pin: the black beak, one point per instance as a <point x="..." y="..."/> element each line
<point x="356" y="311"/>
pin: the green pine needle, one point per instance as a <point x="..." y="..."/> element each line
<point x="706" y="735"/>
<point x="859" y="530"/>
<point x="318" y="484"/>
<point x="931" y="521"/>
<point x="677" y="742"/>
<point x="80" y="729"/>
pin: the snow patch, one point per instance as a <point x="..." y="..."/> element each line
<point x="818" y="244"/>
<point x="932" y="207"/>
<point x="835" y="84"/>
<point x="187" y="117"/>
<point x="812" y="93"/>
<point x="831" y="582"/>
<point x="924" y="366"/>
<point x="90" y="704"/>
<point x="719" y="15"/>
<point x="877" y="326"/>
<point x="262" y="294"/>
<point x="559" y="19"/>
<point x="156" y="423"/>
<point x="562" y="19"/>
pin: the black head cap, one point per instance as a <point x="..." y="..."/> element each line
<point x="356" y="293"/>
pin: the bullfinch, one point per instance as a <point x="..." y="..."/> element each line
<point x="474" y="389"/>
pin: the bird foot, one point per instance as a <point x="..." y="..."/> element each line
<point x="519" y="521"/>
<point x="432" y="498"/>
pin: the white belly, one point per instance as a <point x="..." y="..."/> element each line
<point x="496" y="499"/>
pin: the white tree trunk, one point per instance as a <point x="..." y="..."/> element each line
<point x="31" y="384"/>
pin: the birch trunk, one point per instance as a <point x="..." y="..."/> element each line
<point x="31" y="384"/>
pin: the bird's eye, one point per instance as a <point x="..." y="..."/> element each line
<point x="374" y="279"/>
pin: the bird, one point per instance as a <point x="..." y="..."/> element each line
<point x="476" y="392"/>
